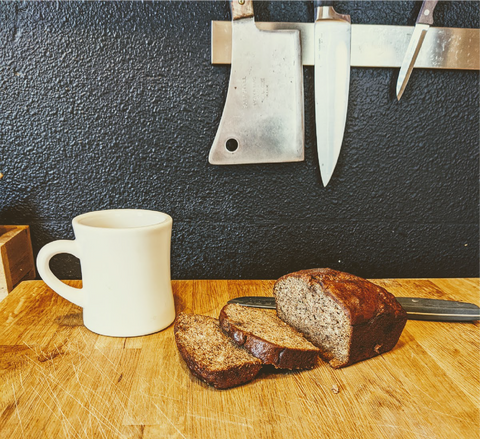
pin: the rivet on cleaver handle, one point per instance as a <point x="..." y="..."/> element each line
<point x="263" y="117"/>
<point x="416" y="308"/>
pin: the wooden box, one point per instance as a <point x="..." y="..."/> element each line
<point x="16" y="257"/>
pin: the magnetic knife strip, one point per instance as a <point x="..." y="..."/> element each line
<point x="374" y="45"/>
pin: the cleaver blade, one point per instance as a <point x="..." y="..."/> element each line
<point x="263" y="117"/>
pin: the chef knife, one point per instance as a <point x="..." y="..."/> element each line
<point x="332" y="37"/>
<point x="416" y="308"/>
<point x="424" y="20"/>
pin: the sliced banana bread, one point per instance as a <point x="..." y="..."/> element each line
<point x="210" y="354"/>
<point x="267" y="337"/>
<point x="349" y="318"/>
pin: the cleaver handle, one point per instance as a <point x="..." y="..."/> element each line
<point x="241" y="9"/>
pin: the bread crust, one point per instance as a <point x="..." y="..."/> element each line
<point x="229" y="376"/>
<point x="376" y="318"/>
<point x="267" y="351"/>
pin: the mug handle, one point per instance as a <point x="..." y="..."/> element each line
<point x="46" y="253"/>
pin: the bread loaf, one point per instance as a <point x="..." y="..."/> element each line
<point x="210" y="354"/>
<point x="267" y="337"/>
<point x="349" y="318"/>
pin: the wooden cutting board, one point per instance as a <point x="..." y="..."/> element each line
<point x="59" y="380"/>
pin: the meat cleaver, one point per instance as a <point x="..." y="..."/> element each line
<point x="415" y="307"/>
<point x="263" y="117"/>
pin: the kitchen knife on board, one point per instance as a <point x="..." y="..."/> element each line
<point x="417" y="308"/>
<point x="263" y="117"/>
<point x="423" y="23"/>
<point x="332" y="41"/>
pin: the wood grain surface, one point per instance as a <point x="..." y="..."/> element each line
<point x="59" y="380"/>
<point x="16" y="257"/>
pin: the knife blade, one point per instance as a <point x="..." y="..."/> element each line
<point x="423" y="23"/>
<point x="332" y="41"/>
<point x="416" y="308"/>
<point x="263" y="116"/>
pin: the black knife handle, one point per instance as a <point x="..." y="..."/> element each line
<point x="439" y="310"/>
<point x="425" y="16"/>
<point x="319" y="3"/>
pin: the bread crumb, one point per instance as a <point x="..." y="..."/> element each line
<point x="335" y="389"/>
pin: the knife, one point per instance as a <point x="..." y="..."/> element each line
<point x="332" y="37"/>
<point x="263" y="116"/>
<point x="416" y="308"/>
<point x="424" y="20"/>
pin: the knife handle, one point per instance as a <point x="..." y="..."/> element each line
<point x="241" y="9"/>
<point x="425" y="16"/>
<point x="320" y="3"/>
<point x="324" y="11"/>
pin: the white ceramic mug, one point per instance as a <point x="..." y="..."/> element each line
<point x="125" y="261"/>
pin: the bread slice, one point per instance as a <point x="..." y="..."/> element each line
<point x="267" y="337"/>
<point x="349" y="318"/>
<point x="210" y="354"/>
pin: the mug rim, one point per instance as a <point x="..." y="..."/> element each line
<point x="165" y="220"/>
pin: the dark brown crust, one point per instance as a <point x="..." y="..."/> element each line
<point x="362" y="300"/>
<point x="268" y="352"/>
<point x="377" y="319"/>
<point x="220" y="379"/>
<point x="375" y="337"/>
<point x="224" y="379"/>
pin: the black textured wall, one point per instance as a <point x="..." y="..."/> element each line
<point x="115" y="105"/>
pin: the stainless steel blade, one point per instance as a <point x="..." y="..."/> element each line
<point x="422" y="25"/>
<point x="332" y="38"/>
<point x="413" y="49"/>
<point x="263" y="117"/>
<point x="416" y="308"/>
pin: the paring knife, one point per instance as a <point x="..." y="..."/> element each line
<point x="416" y="308"/>
<point x="423" y="23"/>
<point x="332" y="40"/>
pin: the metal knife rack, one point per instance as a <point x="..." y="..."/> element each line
<point x="374" y="45"/>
